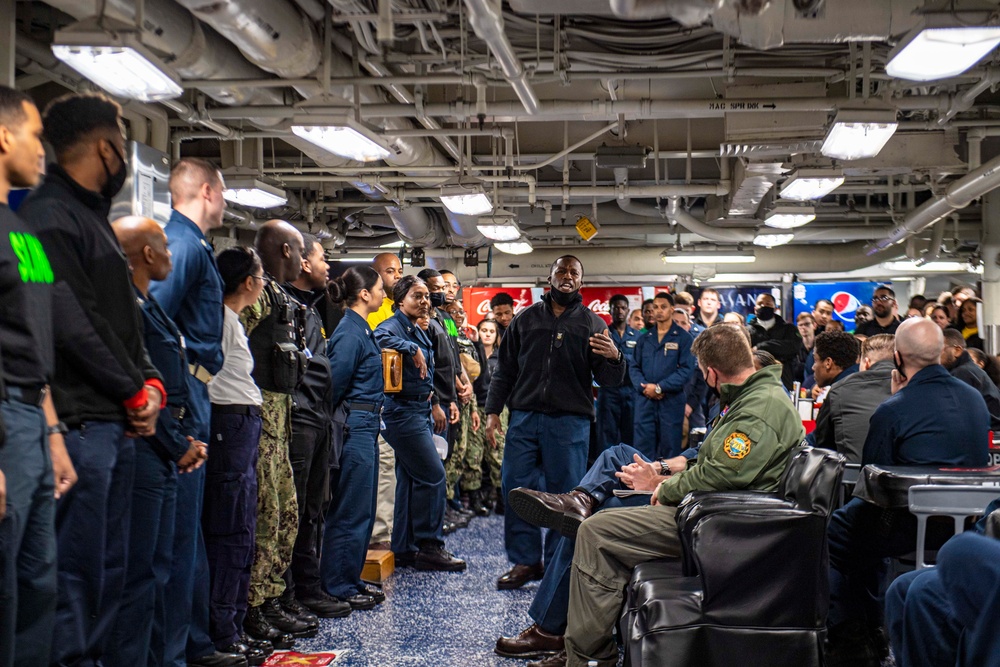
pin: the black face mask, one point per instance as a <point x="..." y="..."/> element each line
<point x="565" y="299"/>
<point x="437" y="299"/>
<point x="765" y="314"/>
<point x="115" y="182"/>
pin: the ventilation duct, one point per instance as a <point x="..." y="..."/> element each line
<point x="487" y="21"/>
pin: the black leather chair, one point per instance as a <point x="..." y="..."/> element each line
<point x="752" y="585"/>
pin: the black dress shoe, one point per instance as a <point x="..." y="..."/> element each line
<point x="360" y="602"/>
<point x="326" y="606"/>
<point x="285" y="622"/>
<point x="460" y="520"/>
<point x="434" y="558"/>
<point x="477" y="504"/>
<point x="261" y="644"/>
<point x="296" y="609"/>
<point x="219" y="659"/>
<point x="253" y="655"/>
<point x="519" y="575"/>
<point x="447" y="527"/>
<point x="376" y="593"/>
<point x="258" y="627"/>
<point x="405" y="558"/>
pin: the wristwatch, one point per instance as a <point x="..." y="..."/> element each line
<point x="58" y="427"/>
<point x="664" y="468"/>
<point x="657" y="390"/>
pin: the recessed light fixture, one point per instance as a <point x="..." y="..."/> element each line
<point x="855" y="135"/>
<point x="807" y="184"/>
<point x="789" y="217"/>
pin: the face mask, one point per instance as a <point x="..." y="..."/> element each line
<point x="565" y="299"/>
<point x="765" y="314"/>
<point x="437" y="299"/>
<point x="115" y="182"/>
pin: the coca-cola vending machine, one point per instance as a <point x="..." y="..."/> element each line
<point x="596" y="298"/>
<point x="477" y="300"/>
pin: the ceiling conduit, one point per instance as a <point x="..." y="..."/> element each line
<point x="957" y="195"/>
<point x="487" y="22"/>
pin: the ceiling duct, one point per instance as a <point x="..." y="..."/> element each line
<point x="688" y="13"/>
<point x="751" y="183"/>
<point x="487" y="21"/>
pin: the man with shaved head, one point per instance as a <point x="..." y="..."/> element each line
<point x="271" y="323"/>
<point x="906" y="429"/>
<point x="391" y="270"/>
<point x="174" y="448"/>
<point x="191" y="296"/>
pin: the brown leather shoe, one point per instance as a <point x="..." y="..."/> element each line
<point x="557" y="660"/>
<point x="559" y="511"/>
<point x="533" y="642"/>
<point x="519" y="575"/>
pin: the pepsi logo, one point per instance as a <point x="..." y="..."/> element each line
<point x="844" y="305"/>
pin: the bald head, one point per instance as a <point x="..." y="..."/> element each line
<point x="389" y="267"/>
<point x="145" y="245"/>
<point x="280" y="247"/>
<point x="919" y="342"/>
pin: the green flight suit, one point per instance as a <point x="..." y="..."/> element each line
<point x="748" y="448"/>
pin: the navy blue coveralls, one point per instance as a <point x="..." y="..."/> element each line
<point x="138" y="635"/>
<point x="668" y="362"/>
<point x="356" y="377"/>
<point x="420" y="481"/>
<point x="192" y="297"/>
<point x="902" y="431"/>
<point x="616" y="405"/>
<point x="27" y="534"/>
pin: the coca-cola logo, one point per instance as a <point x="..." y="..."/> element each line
<point x="600" y="307"/>
<point x="483" y="308"/>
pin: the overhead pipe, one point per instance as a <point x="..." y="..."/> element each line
<point x="487" y="22"/>
<point x="937" y="238"/>
<point x="957" y="195"/>
<point x="416" y="226"/>
<point x="678" y="215"/>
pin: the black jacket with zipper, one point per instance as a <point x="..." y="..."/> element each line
<point x="311" y="400"/>
<point x="546" y="364"/>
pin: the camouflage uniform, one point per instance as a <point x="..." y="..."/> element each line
<point x="494" y="455"/>
<point x="472" y="471"/>
<point x="454" y="467"/>
<point x="277" y="507"/>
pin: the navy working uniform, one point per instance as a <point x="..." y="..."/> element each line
<point x="545" y="375"/>
<point x="902" y="431"/>
<point x="616" y="405"/>
<point x="191" y="296"/>
<point x="101" y="370"/>
<point x="138" y="635"/>
<point x="27" y="534"/>
<point x="309" y="449"/>
<point x="419" y="508"/>
<point x="667" y="362"/>
<point x="356" y="377"/>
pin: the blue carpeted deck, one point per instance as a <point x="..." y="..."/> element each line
<point x="434" y="619"/>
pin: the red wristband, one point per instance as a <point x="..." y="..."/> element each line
<point x="138" y="400"/>
<point x="157" y="385"/>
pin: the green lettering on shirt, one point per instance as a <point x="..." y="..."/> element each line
<point x="33" y="263"/>
<point x="450" y="327"/>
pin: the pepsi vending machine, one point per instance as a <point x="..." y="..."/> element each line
<point x="846" y="298"/>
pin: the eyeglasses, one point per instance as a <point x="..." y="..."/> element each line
<point x="260" y="278"/>
<point x="885" y="298"/>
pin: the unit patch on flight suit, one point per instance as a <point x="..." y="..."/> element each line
<point x="737" y="445"/>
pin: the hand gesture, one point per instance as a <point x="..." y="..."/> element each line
<point x="601" y="344"/>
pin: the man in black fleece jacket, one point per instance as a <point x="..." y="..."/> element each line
<point x="104" y="384"/>
<point x="955" y="357"/>
<point x="549" y="358"/>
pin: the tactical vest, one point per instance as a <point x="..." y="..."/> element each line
<point x="277" y="343"/>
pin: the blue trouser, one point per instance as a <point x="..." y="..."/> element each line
<point x="922" y="626"/>
<point x="230" y="520"/>
<point x="92" y="528"/>
<point x="541" y="451"/>
<point x="659" y="426"/>
<point x="420" y="482"/>
<point x="309" y="456"/>
<point x="351" y="516"/>
<point x="137" y="637"/>
<point x="27" y="539"/>
<point x="187" y="596"/>
<point x="615" y="416"/>
<point x="551" y="602"/>
<point x="970" y="570"/>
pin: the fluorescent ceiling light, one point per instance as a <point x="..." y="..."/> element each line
<point x="519" y="247"/>
<point x="470" y="203"/>
<point x="246" y="190"/>
<point x="855" y="135"/>
<point x="501" y="226"/>
<point x="939" y="52"/>
<point x="789" y="217"/>
<point x="343" y="136"/>
<point x="772" y="240"/>
<point x="911" y="266"/>
<point x="116" y="61"/>
<point x="806" y="184"/>
<point x="707" y="257"/>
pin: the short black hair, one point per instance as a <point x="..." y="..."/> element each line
<point x="616" y="298"/>
<point x="843" y="348"/>
<point x="72" y="119"/>
<point x="235" y="265"/>
<point x="646" y="303"/>
<point x="428" y="273"/>
<point x="573" y="257"/>
<point x="954" y="337"/>
<point x="402" y="288"/>
<point x="308" y="240"/>
<point x="665" y="295"/>
<point x="886" y="288"/>
<point x="12" y="107"/>
<point x="819" y="301"/>
<point x="502" y="299"/>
